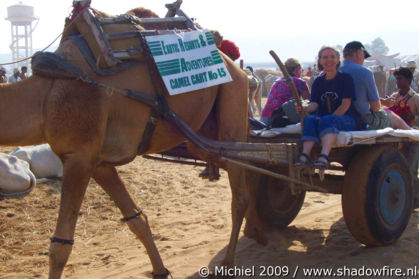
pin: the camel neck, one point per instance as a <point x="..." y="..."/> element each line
<point x="21" y="111"/>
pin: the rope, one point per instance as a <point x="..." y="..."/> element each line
<point x="30" y="57"/>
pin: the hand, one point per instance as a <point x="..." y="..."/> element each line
<point x="302" y="108"/>
<point x="389" y="101"/>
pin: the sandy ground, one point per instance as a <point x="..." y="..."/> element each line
<point x="190" y="220"/>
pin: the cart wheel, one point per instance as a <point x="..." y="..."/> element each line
<point x="276" y="205"/>
<point x="377" y="197"/>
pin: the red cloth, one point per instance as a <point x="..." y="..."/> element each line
<point x="403" y="110"/>
<point x="230" y="48"/>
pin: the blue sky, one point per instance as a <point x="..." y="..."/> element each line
<point x="291" y="28"/>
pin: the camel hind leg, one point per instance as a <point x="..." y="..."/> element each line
<point x="107" y="177"/>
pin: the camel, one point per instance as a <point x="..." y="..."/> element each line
<point x="268" y="77"/>
<point x="255" y="92"/>
<point x="93" y="129"/>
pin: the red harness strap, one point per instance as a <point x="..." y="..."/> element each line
<point x="78" y="6"/>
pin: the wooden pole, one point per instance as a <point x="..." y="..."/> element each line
<point x="288" y="80"/>
<point x="241" y="64"/>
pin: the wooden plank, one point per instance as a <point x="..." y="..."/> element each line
<point x="142" y="21"/>
<point x="87" y="22"/>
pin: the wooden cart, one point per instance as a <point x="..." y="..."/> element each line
<point x="377" y="178"/>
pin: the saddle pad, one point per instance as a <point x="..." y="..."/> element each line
<point x="345" y="138"/>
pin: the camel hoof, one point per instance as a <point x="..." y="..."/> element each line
<point x="211" y="172"/>
<point x="205" y="173"/>
<point x="255" y="234"/>
<point x="161" y="276"/>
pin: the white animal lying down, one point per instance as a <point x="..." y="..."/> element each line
<point x="43" y="162"/>
<point x="15" y="175"/>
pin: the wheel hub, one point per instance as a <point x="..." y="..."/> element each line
<point x="392" y="197"/>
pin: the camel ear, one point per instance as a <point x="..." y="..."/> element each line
<point x="83" y="3"/>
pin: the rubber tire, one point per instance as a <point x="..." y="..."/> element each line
<point x="361" y="195"/>
<point x="275" y="203"/>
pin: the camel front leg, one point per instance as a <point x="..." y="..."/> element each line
<point x="107" y="177"/>
<point x="75" y="180"/>
<point x="258" y="97"/>
<point x="252" y="107"/>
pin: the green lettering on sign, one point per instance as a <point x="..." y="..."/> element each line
<point x="179" y="82"/>
<point x="216" y="57"/>
<point x="155" y="48"/>
<point x="169" y="67"/>
<point x="199" y="78"/>
<point x="209" y="38"/>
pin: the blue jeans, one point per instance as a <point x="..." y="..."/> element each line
<point x="316" y="126"/>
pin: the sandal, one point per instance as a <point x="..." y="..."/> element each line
<point x="320" y="164"/>
<point x="301" y="163"/>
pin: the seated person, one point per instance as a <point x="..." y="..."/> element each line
<point x="405" y="102"/>
<point x="367" y="102"/>
<point x="281" y="93"/>
<point x="331" y="98"/>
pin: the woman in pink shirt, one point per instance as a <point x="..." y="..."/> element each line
<point x="281" y="92"/>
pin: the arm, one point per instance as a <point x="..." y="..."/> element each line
<point x="346" y="103"/>
<point x="373" y="96"/>
<point x="302" y="88"/>
<point x="375" y="106"/>
<point x="415" y="109"/>
<point x="311" y="107"/>
<point x="305" y="94"/>
<point x="388" y="102"/>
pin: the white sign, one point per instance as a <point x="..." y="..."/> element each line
<point x="188" y="61"/>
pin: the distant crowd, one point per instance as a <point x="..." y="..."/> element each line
<point x="15" y="77"/>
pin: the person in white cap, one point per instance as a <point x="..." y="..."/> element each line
<point x="3" y="77"/>
<point x="15" y="77"/>
<point x="411" y="65"/>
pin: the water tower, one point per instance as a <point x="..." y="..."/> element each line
<point x="21" y="17"/>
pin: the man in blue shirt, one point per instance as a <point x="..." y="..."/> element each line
<point x="367" y="101"/>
